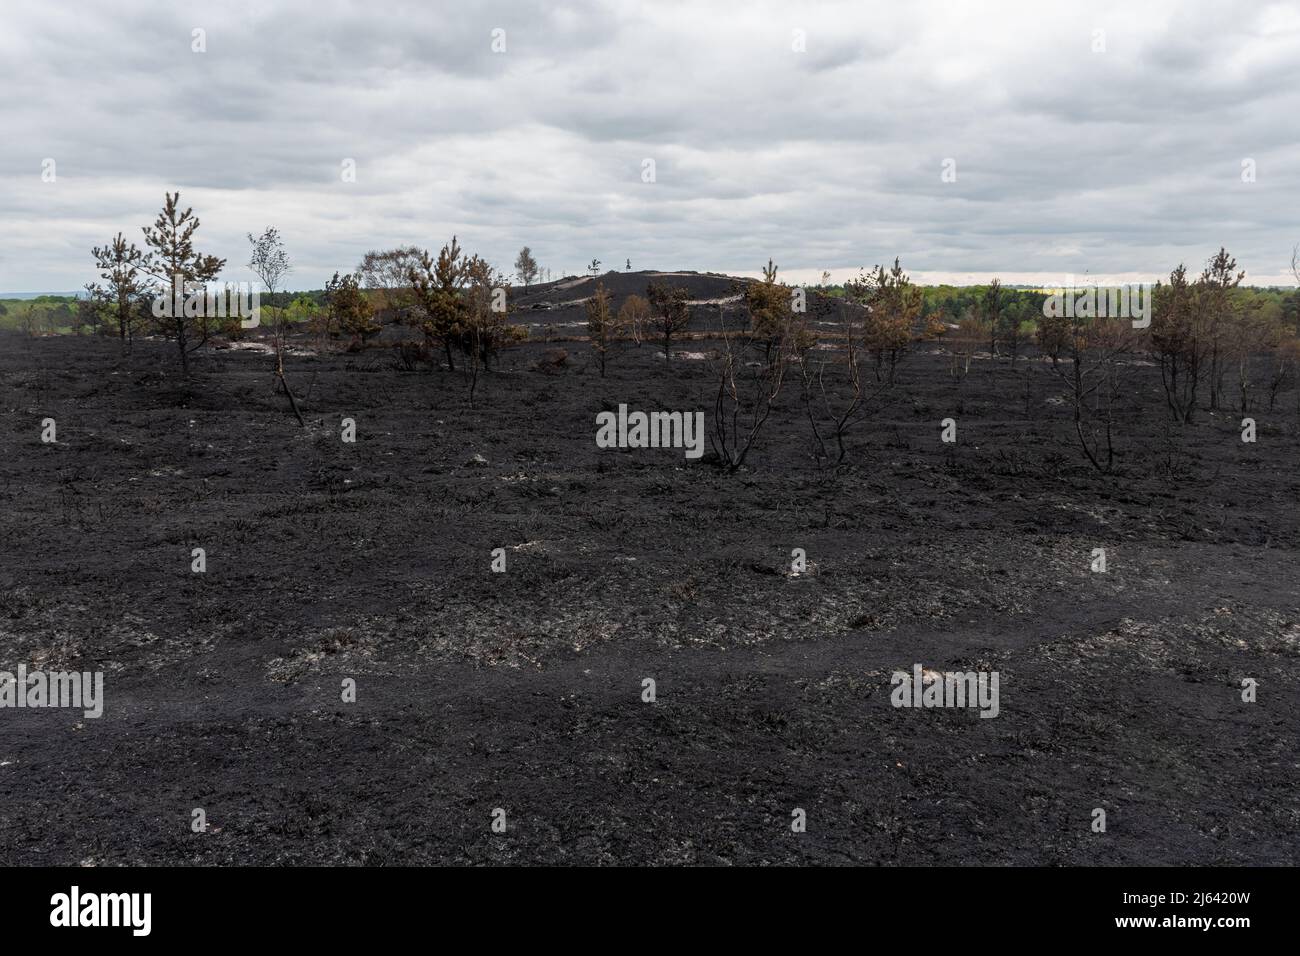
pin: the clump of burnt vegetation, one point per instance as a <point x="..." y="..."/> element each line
<point x="832" y="357"/>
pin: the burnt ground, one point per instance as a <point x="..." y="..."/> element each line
<point x="523" y="690"/>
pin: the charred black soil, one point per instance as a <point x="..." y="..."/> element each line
<point x="523" y="690"/>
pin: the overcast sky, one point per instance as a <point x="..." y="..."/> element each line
<point x="1122" y="162"/>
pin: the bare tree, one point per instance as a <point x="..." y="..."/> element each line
<point x="750" y="373"/>
<point x="1295" y="271"/>
<point x="1284" y="359"/>
<point x="270" y="263"/>
<point x="1092" y="377"/>
<point x="833" y="394"/>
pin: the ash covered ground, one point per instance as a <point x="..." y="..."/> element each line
<point x="523" y="690"/>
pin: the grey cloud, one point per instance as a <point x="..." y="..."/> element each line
<point x="1067" y="160"/>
